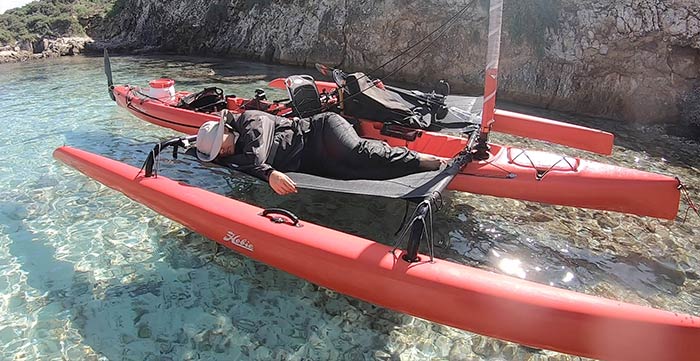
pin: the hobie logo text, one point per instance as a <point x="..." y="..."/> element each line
<point x="238" y="241"/>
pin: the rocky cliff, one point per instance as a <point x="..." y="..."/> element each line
<point x="636" y="60"/>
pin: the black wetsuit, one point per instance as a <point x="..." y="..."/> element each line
<point x="325" y="145"/>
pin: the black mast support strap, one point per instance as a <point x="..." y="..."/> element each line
<point x="420" y="228"/>
<point x="149" y="165"/>
<point x="420" y="225"/>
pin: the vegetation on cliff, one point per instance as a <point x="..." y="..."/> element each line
<point x="54" y="18"/>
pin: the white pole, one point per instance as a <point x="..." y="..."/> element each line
<point x="491" y="80"/>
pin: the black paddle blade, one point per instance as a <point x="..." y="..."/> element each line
<point x="108" y="72"/>
<point x="322" y="69"/>
<point x="443" y="88"/>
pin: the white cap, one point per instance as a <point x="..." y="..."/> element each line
<point x="210" y="137"/>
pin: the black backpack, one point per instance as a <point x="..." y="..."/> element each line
<point x="304" y="95"/>
<point x="363" y="99"/>
<point x="207" y="101"/>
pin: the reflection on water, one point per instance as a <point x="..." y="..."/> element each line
<point x="86" y="273"/>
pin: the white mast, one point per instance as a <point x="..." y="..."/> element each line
<point x="491" y="73"/>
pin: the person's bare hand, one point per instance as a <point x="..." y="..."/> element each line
<point x="281" y="183"/>
<point x="431" y="162"/>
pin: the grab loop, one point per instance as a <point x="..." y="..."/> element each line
<point x="292" y="217"/>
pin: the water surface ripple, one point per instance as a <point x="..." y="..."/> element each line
<point x="86" y="273"/>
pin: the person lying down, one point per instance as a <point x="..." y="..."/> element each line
<point x="265" y="146"/>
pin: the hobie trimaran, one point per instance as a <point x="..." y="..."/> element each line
<point x="401" y="277"/>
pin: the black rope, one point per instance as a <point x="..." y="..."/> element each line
<point x="507" y="176"/>
<point x="450" y="20"/>
<point x="441" y="27"/>
<point x="138" y="91"/>
<point x="420" y="52"/>
<point x="129" y="106"/>
<point x="152" y="164"/>
<point x="403" y="220"/>
<point x="541" y="174"/>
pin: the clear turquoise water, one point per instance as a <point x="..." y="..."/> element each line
<point x="85" y="273"/>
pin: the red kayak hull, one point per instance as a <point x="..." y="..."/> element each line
<point x="509" y="172"/>
<point x="444" y="292"/>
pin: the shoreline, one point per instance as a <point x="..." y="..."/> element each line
<point x="45" y="48"/>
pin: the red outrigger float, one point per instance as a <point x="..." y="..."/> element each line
<point x="448" y="293"/>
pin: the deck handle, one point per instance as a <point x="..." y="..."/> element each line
<point x="282" y="211"/>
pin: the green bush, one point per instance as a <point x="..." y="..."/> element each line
<point x="66" y="25"/>
<point x="38" y="24"/>
<point x="53" y="18"/>
<point x="5" y="36"/>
